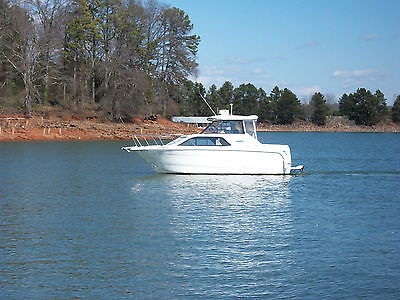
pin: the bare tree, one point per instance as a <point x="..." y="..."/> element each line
<point x="49" y="17"/>
<point x="21" y="50"/>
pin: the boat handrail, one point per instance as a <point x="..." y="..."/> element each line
<point x="142" y="140"/>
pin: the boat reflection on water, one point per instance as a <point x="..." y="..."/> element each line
<point x="218" y="228"/>
<point x="235" y="188"/>
<point x="232" y="188"/>
<point x="230" y="196"/>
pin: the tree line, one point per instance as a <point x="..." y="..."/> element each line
<point x="130" y="58"/>
<point x="282" y="106"/>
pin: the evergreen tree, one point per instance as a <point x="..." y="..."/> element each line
<point x="288" y="107"/>
<point x="320" y="110"/>
<point x="82" y="48"/>
<point x="226" y="95"/>
<point x="363" y="107"/>
<point x="176" y="58"/>
<point x="347" y="106"/>
<point x="382" y="109"/>
<point x="194" y="104"/>
<point x="396" y="110"/>
<point x="213" y="98"/>
<point x="264" y="106"/>
<point x="273" y="100"/>
<point x="245" y="99"/>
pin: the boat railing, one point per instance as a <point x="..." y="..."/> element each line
<point x="143" y="140"/>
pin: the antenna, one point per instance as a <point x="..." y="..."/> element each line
<point x="208" y="104"/>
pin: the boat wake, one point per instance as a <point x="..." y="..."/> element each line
<point x="348" y="173"/>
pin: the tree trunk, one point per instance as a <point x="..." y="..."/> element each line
<point x="114" y="108"/>
<point x="27" y="102"/>
<point x="27" y="106"/>
<point x="46" y="77"/>
<point x="65" y="93"/>
<point x="93" y="89"/>
<point x="74" y="79"/>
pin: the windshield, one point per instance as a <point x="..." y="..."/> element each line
<point x="250" y="128"/>
<point x="227" y="127"/>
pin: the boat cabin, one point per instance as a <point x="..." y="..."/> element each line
<point x="232" y="124"/>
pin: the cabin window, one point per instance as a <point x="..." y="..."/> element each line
<point x="205" y="141"/>
<point x="249" y="125"/>
<point x="225" y="127"/>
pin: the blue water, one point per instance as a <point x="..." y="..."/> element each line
<point x="86" y="220"/>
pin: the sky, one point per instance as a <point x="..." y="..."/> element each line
<point x="328" y="46"/>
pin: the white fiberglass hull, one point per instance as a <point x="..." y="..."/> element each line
<point x="271" y="159"/>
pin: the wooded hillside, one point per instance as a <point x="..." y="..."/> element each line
<point x="123" y="55"/>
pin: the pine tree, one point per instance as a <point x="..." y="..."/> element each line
<point x="213" y="98"/>
<point x="82" y="46"/>
<point x="363" y="107"/>
<point x="226" y="95"/>
<point x="288" y="107"/>
<point x="396" y="110"/>
<point x="320" y="109"/>
<point x="274" y="97"/>
<point x="245" y="99"/>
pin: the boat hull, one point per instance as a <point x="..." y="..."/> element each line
<point x="213" y="161"/>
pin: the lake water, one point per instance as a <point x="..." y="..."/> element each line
<point x="87" y="220"/>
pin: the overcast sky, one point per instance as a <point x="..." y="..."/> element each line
<point x="331" y="46"/>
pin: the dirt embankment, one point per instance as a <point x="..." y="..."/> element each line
<point x="17" y="128"/>
<point x="70" y="127"/>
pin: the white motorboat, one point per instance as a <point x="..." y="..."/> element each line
<point x="228" y="145"/>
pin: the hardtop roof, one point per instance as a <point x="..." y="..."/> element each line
<point x="232" y="118"/>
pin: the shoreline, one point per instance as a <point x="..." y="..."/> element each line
<point x="335" y="125"/>
<point x="18" y="128"/>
